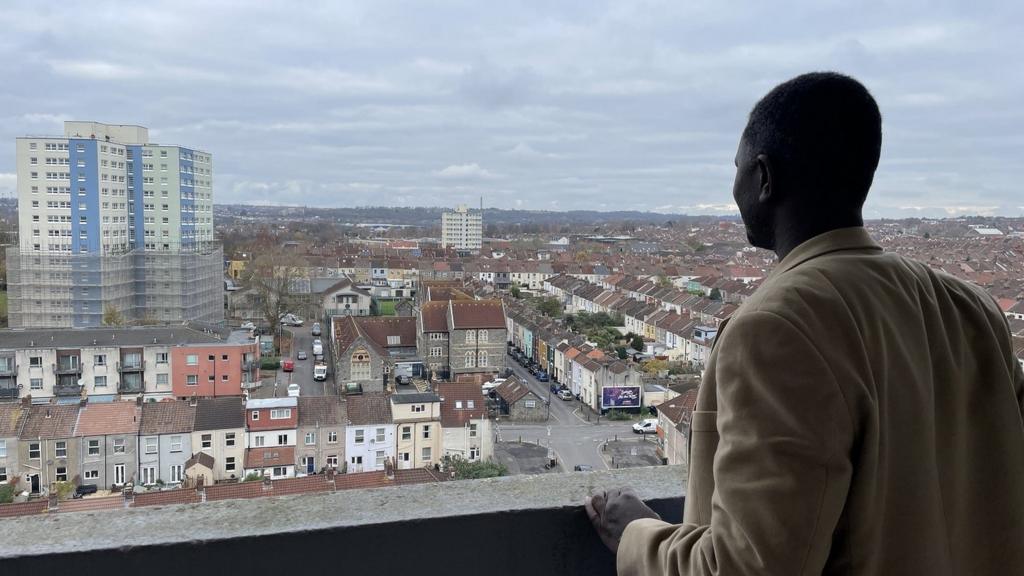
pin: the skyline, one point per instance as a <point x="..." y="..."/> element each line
<point x="577" y="106"/>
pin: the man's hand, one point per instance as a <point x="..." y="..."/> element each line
<point x="611" y="511"/>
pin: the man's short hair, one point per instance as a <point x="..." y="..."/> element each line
<point x="823" y="132"/>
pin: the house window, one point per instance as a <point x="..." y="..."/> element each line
<point x="359" y="369"/>
<point x="259" y="441"/>
<point x="426" y="431"/>
<point x="60" y="449"/>
<point x="62" y="474"/>
<point x="94" y="447"/>
<point x="99" y="360"/>
<point x="470" y="357"/>
<point x="436" y="351"/>
<point x="229" y="439"/>
<point x="406" y="432"/>
<point x="474" y="453"/>
<point x="482" y="359"/>
<point x="332" y="437"/>
<point x="3" y="448"/>
<point x="380" y="435"/>
<point x="35" y="383"/>
<point x="280" y="471"/>
<point x="310" y="438"/>
<point x="3" y="474"/>
<point x="357" y="459"/>
<point x="425" y="454"/>
<point x="229" y="463"/>
<point x="280" y="413"/>
<point x="192" y="359"/>
<point x="35" y="362"/>
<point x="482" y="335"/>
<point x="33" y="451"/>
<point x="191" y="380"/>
<point x="380" y="458"/>
<point x="255" y="414"/>
<point x="282" y="439"/>
<point x="176" y="473"/>
<point x="470" y="336"/>
<point x="162" y="379"/>
<point x="175" y="443"/>
<point x="530" y="403"/>
<point x="470" y="404"/>
<point x="118" y="445"/>
<point x="99" y="381"/>
<point x="332" y="461"/>
<point x="161" y="357"/>
<point x="149" y="475"/>
<point x="359" y="436"/>
<point x="152" y="445"/>
<point x="206" y="441"/>
<point x="472" y="430"/>
<point x="92" y="474"/>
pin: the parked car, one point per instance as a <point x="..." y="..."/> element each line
<point x="248" y="326"/>
<point x="648" y="426"/>
<point x="582" y="468"/>
<point x="287" y="364"/>
<point x="565" y="394"/>
<point x="83" y="489"/>
<point x="542" y="376"/>
<point x="403" y="380"/>
<point x="316" y="329"/>
<point x="555" y="387"/>
<point x="301" y="355"/>
<point x="318" y="346"/>
<point x="294" y="389"/>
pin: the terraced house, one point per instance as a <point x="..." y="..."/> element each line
<point x="108" y="434"/>
<point x="47" y="448"/>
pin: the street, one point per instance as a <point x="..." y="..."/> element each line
<point x="567" y="431"/>
<point x="302" y="339"/>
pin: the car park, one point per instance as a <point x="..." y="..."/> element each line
<point x="647" y="426"/>
<point x="301" y="355"/>
<point x="565" y="394"/>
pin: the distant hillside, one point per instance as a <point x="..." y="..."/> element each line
<point x="432" y="216"/>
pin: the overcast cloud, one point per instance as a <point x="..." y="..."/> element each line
<point x="544" y="105"/>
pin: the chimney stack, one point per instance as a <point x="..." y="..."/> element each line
<point x="26" y="401"/>
<point x="389" y="468"/>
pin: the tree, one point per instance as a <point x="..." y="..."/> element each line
<point x="514" y="290"/>
<point x="273" y="276"/>
<point x="637" y="343"/>
<point x="7" y="492"/>
<point x="715" y="295"/>
<point x="112" y="316"/>
<point x="466" y="470"/>
<point x="655" y="366"/>
<point x="550" y="306"/>
<point x="621" y="353"/>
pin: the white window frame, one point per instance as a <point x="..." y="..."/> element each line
<point x="332" y="437"/>
<point x="176" y="444"/>
<point x="360" y="436"/>
<point x="152" y="445"/>
<point x="280" y="413"/>
<point x="206" y="441"/>
<point x="310" y="438"/>
<point x="118" y="446"/>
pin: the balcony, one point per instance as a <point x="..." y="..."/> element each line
<point x="131" y="385"/>
<point x="68" y="365"/>
<point x="136" y="366"/>
<point x="67" y="389"/>
<point x="8" y="369"/>
<point x="515" y="525"/>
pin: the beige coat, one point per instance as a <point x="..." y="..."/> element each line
<point x="860" y="414"/>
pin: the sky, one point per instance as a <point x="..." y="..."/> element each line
<point x="535" y="105"/>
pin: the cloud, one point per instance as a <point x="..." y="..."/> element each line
<point x="94" y="69"/>
<point x="465" y="172"/>
<point x="8" y="185"/>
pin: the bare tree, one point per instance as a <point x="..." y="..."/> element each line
<point x="273" y="275"/>
<point x="112" y="316"/>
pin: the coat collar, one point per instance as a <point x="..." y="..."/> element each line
<point x="854" y="238"/>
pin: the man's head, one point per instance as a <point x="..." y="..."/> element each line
<point x="807" y="157"/>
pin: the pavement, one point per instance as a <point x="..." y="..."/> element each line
<point x="302" y="339"/>
<point x="524" y="458"/>
<point x="631" y="453"/>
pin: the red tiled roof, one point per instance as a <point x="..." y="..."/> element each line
<point x="92" y="504"/>
<point x="434" y="316"/>
<point x="50" y="421"/>
<point x="12" y="417"/>
<point x="167" y="497"/>
<point x="270" y="456"/>
<point x="471" y="314"/>
<point x="167" y="417"/>
<point x="111" y="418"/>
<point x="455" y="410"/>
<point x="369" y="408"/>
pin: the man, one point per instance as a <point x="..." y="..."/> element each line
<point x="860" y="413"/>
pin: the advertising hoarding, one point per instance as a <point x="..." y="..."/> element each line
<point x="620" y="397"/>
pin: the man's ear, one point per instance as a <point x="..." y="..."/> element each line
<point x="767" y="174"/>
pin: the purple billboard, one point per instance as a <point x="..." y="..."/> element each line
<point x="620" y="397"/>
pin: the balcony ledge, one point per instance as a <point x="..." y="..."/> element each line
<point x="515" y="525"/>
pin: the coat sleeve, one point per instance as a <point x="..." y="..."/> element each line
<point x="782" y="469"/>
